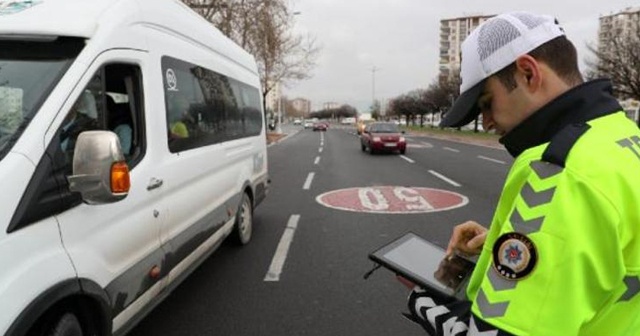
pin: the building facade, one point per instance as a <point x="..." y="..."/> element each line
<point x="330" y="106"/>
<point x="452" y="34"/>
<point x="622" y="23"/>
<point x="302" y="105"/>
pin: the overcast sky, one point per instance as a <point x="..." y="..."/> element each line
<point x="401" y="38"/>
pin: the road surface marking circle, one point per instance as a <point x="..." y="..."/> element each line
<point x="392" y="200"/>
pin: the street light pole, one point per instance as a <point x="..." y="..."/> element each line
<point x="373" y="83"/>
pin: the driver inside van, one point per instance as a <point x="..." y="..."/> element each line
<point x="82" y="117"/>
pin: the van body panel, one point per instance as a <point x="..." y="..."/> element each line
<point x="198" y="34"/>
<point x="43" y="264"/>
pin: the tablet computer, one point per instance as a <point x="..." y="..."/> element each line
<point x="425" y="264"/>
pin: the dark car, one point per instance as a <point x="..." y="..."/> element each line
<point x="383" y="137"/>
<point x="320" y="126"/>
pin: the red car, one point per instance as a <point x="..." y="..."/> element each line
<point x="383" y="137"/>
<point x="320" y="126"/>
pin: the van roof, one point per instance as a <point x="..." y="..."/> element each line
<point x="93" y="18"/>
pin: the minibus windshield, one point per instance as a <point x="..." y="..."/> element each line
<point x="29" y="70"/>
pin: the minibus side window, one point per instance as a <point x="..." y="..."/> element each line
<point x="205" y="107"/>
<point x="111" y="101"/>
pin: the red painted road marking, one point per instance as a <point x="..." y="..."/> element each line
<point x="392" y="199"/>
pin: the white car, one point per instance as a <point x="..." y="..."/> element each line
<point x="297" y="122"/>
<point x="308" y="124"/>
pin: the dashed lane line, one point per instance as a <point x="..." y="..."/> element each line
<point x="307" y="182"/>
<point x="444" y="178"/>
<point x="490" y="159"/>
<point x="451" y="149"/>
<point x="277" y="263"/>
<point x="407" y="159"/>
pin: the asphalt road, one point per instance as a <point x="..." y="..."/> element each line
<point x="319" y="288"/>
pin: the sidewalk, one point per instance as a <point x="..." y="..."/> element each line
<point x="465" y="137"/>
<point x="274" y="137"/>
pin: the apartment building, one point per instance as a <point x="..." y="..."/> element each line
<point x="302" y="105"/>
<point x="330" y="106"/>
<point x="452" y="34"/>
<point x="617" y="24"/>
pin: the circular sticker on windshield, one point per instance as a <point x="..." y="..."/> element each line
<point x="514" y="256"/>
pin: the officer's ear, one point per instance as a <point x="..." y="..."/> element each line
<point x="528" y="72"/>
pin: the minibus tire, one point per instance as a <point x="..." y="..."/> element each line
<point x="67" y="325"/>
<point x="244" y="221"/>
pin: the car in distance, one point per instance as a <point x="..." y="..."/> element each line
<point x="308" y="123"/>
<point x="297" y="121"/>
<point x="362" y="124"/>
<point x="383" y="137"/>
<point x="320" y="126"/>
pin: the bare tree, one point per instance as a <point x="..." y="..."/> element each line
<point x="619" y="60"/>
<point x="264" y="29"/>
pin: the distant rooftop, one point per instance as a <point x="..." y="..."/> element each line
<point x="628" y="10"/>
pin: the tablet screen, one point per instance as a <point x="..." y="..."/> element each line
<point x="424" y="263"/>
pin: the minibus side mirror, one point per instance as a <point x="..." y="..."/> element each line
<point x="100" y="173"/>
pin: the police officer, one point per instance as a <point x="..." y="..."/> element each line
<point x="562" y="254"/>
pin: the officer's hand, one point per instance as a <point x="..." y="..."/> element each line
<point x="467" y="239"/>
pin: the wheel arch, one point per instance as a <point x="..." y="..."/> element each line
<point x="83" y="297"/>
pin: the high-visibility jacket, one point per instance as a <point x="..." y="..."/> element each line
<point x="562" y="256"/>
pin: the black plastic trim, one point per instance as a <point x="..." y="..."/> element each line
<point x="45" y="194"/>
<point x="48" y="299"/>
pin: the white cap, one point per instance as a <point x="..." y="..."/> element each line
<point x="491" y="47"/>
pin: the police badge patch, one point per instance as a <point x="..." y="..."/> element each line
<point x="514" y="256"/>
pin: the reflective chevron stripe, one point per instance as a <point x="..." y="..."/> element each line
<point x="545" y="170"/>
<point x="526" y="227"/>
<point x="633" y="287"/>
<point x="499" y="283"/>
<point x="535" y="198"/>
<point x="488" y="309"/>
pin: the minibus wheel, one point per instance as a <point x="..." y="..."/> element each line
<point x="67" y="325"/>
<point x="244" y="221"/>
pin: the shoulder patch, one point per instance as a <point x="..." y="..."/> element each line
<point x="514" y="256"/>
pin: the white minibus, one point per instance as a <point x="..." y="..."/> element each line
<point x="132" y="143"/>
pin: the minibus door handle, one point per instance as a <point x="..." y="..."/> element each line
<point x="154" y="183"/>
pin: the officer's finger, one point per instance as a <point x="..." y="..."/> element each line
<point x="462" y="233"/>
<point x="475" y="244"/>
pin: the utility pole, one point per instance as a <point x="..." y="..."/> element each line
<point x="373" y="83"/>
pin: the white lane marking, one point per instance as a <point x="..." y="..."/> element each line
<point x="277" y="263"/>
<point x="320" y="150"/>
<point x="490" y="159"/>
<point x="428" y="144"/>
<point x="451" y="149"/>
<point x="307" y="183"/>
<point x="317" y="160"/>
<point x="407" y="159"/>
<point x="444" y="178"/>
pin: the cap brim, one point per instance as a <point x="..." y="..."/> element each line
<point x="465" y="108"/>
